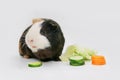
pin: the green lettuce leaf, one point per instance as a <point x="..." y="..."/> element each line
<point x="74" y="50"/>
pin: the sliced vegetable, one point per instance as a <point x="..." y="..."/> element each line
<point x="76" y="61"/>
<point x="98" y="60"/>
<point x="35" y="64"/>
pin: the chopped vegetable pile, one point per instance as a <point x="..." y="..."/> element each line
<point x="74" y="50"/>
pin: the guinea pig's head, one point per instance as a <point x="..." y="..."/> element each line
<point x="41" y="33"/>
<point x="49" y="27"/>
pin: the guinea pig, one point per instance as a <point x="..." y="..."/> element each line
<point x="43" y="40"/>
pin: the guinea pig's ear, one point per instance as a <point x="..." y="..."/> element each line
<point x="54" y="25"/>
<point x="37" y="20"/>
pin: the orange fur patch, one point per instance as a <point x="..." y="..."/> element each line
<point x="37" y="20"/>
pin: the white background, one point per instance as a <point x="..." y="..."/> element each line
<point x="89" y="23"/>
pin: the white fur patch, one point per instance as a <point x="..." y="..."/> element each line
<point x="34" y="39"/>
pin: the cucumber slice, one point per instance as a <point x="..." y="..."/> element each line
<point x="76" y="61"/>
<point x="35" y="64"/>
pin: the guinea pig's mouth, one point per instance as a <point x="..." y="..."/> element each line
<point x="33" y="46"/>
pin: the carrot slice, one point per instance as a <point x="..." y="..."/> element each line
<point x="97" y="57"/>
<point x="98" y="60"/>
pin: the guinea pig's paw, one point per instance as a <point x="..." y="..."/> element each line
<point x="26" y="56"/>
<point x="56" y="59"/>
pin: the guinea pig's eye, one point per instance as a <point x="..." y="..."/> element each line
<point x="42" y="32"/>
